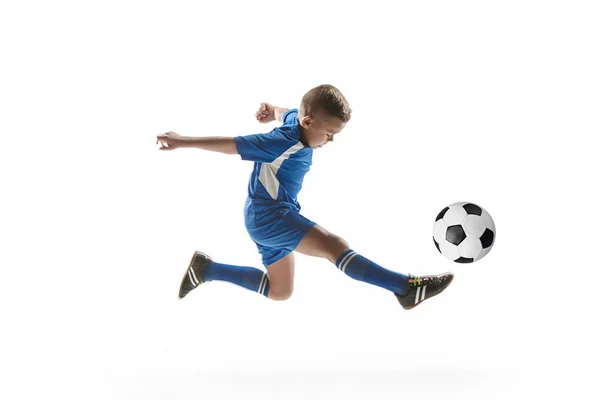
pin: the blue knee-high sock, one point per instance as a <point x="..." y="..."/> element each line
<point x="360" y="268"/>
<point x="248" y="277"/>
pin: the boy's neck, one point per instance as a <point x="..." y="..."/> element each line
<point x="302" y="134"/>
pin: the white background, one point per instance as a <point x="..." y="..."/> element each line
<point x="494" y="103"/>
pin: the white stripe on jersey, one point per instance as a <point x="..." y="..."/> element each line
<point x="268" y="171"/>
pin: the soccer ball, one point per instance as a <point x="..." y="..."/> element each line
<point x="464" y="232"/>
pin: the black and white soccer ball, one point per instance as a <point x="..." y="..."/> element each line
<point x="464" y="232"/>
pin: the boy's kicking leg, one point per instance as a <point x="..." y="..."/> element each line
<point x="277" y="283"/>
<point x="409" y="290"/>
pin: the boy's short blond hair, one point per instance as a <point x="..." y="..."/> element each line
<point x="328" y="100"/>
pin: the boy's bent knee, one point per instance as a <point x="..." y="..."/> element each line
<point x="280" y="295"/>
<point x="335" y="246"/>
<point x="340" y="243"/>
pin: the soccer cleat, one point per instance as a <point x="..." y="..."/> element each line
<point x="194" y="275"/>
<point x="421" y="288"/>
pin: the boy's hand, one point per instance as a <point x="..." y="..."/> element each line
<point x="266" y="113"/>
<point x="169" y="141"/>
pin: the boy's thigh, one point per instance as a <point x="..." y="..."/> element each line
<point x="319" y="242"/>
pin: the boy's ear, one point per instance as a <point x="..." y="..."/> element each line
<point x="306" y="121"/>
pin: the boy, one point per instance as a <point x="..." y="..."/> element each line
<point x="272" y="213"/>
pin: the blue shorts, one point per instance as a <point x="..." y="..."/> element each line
<point x="276" y="230"/>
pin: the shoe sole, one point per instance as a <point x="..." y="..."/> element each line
<point x="196" y="254"/>
<point x="427" y="298"/>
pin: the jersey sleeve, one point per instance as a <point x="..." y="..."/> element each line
<point x="289" y="114"/>
<point x="264" y="147"/>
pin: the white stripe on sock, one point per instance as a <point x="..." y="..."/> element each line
<point x="345" y="258"/>
<point x="348" y="262"/>
<point x="423" y="295"/>
<point x="263" y="284"/>
<point x="191" y="279"/>
<point x="417" y="296"/>
<point x="261" y="287"/>
<point x="194" y="274"/>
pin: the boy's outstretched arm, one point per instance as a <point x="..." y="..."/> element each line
<point x="221" y="144"/>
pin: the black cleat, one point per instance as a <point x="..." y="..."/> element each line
<point x="194" y="275"/>
<point x="422" y="288"/>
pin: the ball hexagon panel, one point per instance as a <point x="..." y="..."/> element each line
<point x="449" y="250"/>
<point x="454" y="215"/>
<point x="470" y="247"/>
<point x="473" y="226"/>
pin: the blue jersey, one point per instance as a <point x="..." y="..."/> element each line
<point x="280" y="163"/>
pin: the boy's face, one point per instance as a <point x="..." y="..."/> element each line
<point x="321" y="129"/>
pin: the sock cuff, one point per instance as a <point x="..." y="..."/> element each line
<point x="344" y="257"/>
<point x="263" y="286"/>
